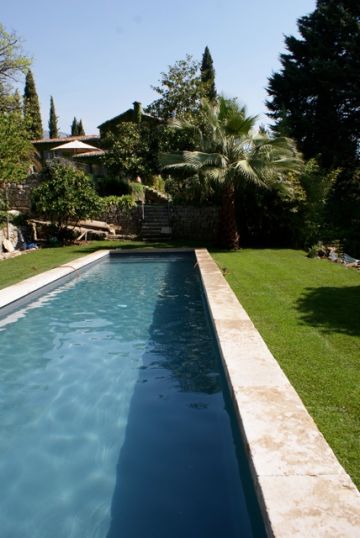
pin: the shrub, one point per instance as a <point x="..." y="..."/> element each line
<point x="65" y="196"/>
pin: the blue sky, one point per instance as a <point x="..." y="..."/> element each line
<point x="96" y="58"/>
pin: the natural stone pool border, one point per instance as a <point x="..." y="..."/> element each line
<point x="302" y="488"/>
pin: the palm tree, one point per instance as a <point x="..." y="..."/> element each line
<point x="231" y="152"/>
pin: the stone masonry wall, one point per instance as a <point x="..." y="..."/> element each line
<point x="187" y="222"/>
<point x="19" y="195"/>
<point x="198" y="223"/>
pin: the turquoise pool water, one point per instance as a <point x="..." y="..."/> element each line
<point x="113" y="419"/>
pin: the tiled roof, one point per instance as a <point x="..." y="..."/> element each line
<point x="89" y="154"/>
<point x="65" y="139"/>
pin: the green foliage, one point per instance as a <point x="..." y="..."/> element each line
<point x="12" y="63"/>
<point x="137" y="191"/>
<point x="208" y="76"/>
<point x="180" y="91"/>
<point x="15" y="148"/>
<point x="32" y="108"/>
<point x="74" y="127"/>
<point x="157" y="182"/>
<point x="123" y="204"/>
<point x="77" y="128"/>
<point x="315" y="98"/>
<point x="65" y="196"/>
<point x="343" y="211"/>
<point x="53" y="126"/>
<point x="317" y="184"/>
<point x="112" y="186"/>
<point x="231" y="155"/>
<point x="81" y="131"/>
<point x="131" y="151"/>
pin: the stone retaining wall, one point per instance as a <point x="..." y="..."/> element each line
<point x="187" y="222"/>
<point x="198" y="223"/>
<point x="19" y="194"/>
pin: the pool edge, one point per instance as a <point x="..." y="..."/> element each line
<point x="301" y="487"/>
<point x="21" y="289"/>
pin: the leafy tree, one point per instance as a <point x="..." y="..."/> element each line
<point x="180" y="91"/>
<point x="32" y="107"/>
<point x="15" y="148"/>
<point x="128" y="151"/>
<point x="315" y="98"/>
<point x="74" y="127"/>
<point x="230" y="154"/>
<point x="65" y="196"/>
<point x="81" y="131"/>
<point x="208" y="76"/>
<point x="53" y="126"/>
<point x="16" y="153"/>
<point x="12" y="63"/>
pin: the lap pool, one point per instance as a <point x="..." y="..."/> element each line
<point x="115" y="419"/>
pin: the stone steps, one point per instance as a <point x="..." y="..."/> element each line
<point x="156" y="225"/>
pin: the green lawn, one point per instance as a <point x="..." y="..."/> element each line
<point x="308" y="312"/>
<point x="16" y="269"/>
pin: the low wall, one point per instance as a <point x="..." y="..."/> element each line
<point x="187" y="222"/>
<point x="127" y="224"/>
<point x="19" y="194"/>
<point x="198" y="223"/>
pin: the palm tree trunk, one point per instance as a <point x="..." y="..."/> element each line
<point x="230" y="237"/>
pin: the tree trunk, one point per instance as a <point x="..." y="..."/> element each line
<point x="229" y="232"/>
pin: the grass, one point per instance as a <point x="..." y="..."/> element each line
<point x="32" y="263"/>
<point x="308" y="312"/>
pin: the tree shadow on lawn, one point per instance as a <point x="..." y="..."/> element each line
<point x="332" y="309"/>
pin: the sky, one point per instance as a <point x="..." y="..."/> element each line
<point x="97" y="57"/>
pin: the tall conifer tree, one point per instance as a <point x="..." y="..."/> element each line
<point x="81" y="131"/>
<point x="315" y="97"/>
<point x="32" y="108"/>
<point x="74" y="127"/>
<point x="208" y="75"/>
<point x="53" y="126"/>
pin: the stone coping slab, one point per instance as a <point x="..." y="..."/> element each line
<point x="25" y="287"/>
<point x="302" y="488"/>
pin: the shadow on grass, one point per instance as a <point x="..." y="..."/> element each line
<point x="332" y="309"/>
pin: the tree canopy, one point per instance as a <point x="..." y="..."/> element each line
<point x="15" y="148"/>
<point x="180" y="91"/>
<point x="12" y="63"/>
<point x="32" y="108"/>
<point x="66" y="195"/>
<point x="232" y="153"/>
<point x="77" y="128"/>
<point x="53" y="125"/>
<point x="315" y="97"/>
<point x="208" y="76"/>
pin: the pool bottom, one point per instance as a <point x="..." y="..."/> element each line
<point x="122" y="428"/>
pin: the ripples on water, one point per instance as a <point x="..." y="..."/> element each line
<point x="112" y="420"/>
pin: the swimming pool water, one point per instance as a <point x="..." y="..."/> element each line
<point x="113" y="421"/>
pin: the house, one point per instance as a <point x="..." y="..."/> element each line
<point x="133" y="115"/>
<point x="44" y="146"/>
<point x="90" y="161"/>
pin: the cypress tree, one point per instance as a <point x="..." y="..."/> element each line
<point x="315" y="97"/>
<point x="208" y="75"/>
<point x="32" y="108"/>
<point x="74" y="127"/>
<point x="53" y="127"/>
<point x="81" y="131"/>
